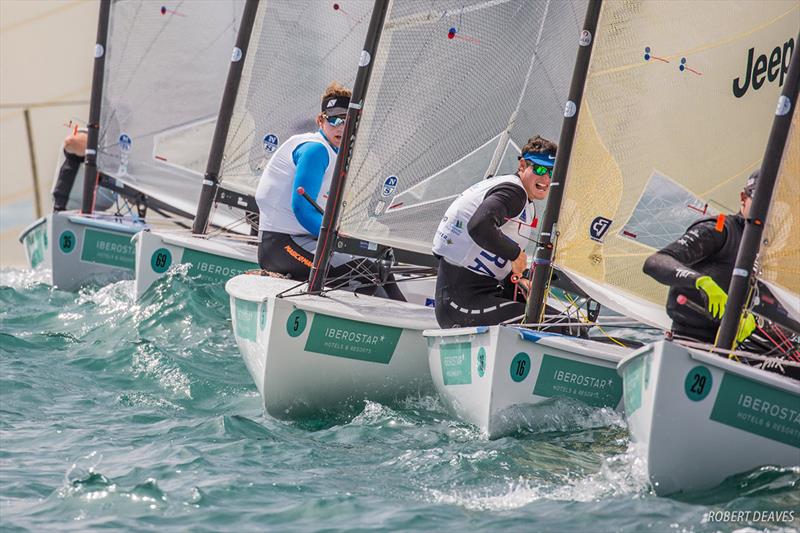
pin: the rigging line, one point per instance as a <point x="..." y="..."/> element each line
<point x="237" y="158"/>
<point x="732" y="353"/>
<point x="585" y="318"/>
<point x="763" y="332"/>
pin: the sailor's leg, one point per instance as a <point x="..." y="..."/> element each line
<point x="280" y="253"/>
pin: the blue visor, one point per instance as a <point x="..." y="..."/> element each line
<point x="546" y="159"/>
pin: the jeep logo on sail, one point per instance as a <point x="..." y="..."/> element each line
<point x="773" y="68"/>
<point x="598" y="228"/>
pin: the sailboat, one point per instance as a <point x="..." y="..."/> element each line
<point x="699" y="414"/>
<point x="149" y="130"/>
<point x="451" y="101"/>
<point x="291" y="51"/>
<point x="662" y="127"/>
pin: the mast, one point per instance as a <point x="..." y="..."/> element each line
<point x="93" y="127"/>
<point x="544" y="252"/>
<point x="762" y="198"/>
<point x="211" y="179"/>
<point x="327" y="233"/>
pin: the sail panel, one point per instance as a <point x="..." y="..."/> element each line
<point x="296" y="50"/>
<point x="440" y="111"/>
<point x="165" y="71"/>
<point x="672" y="122"/>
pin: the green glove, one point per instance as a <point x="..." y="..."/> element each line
<point x="716" y="296"/>
<point x="746" y="327"/>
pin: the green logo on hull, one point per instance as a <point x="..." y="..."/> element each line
<point x="67" y="241"/>
<point x="246" y="319"/>
<point x="595" y="385"/>
<point x="215" y="267"/>
<point x="160" y="260"/>
<point x="456" y="363"/>
<point x="635" y="382"/>
<point x="758" y="409"/>
<point x="36" y="244"/>
<point x="110" y="249"/>
<point x="352" y="339"/>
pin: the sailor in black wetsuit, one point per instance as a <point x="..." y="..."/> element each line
<point x="74" y="153"/>
<point x="481" y="239"/>
<point x="700" y="265"/>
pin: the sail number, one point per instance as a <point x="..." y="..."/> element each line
<point x="67" y="241"/>
<point x="520" y="367"/>
<point x="161" y="260"/>
<point x="698" y="383"/>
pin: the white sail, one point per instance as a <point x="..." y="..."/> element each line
<point x="457" y="88"/>
<point x="675" y="115"/>
<point x="296" y="50"/>
<point x="165" y="71"/>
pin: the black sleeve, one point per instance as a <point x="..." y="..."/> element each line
<point x="65" y="180"/>
<point x="672" y="264"/>
<point x="500" y="204"/>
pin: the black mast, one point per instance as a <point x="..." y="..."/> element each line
<point x="93" y="127"/>
<point x="211" y="180"/>
<point x="544" y="252"/>
<point x="327" y="233"/>
<point x="743" y="273"/>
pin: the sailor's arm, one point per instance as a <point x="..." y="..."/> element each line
<point x="672" y="265"/>
<point x="312" y="160"/>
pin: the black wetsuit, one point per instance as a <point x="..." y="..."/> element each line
<point x="701" y="251"/>
<point x="65" y="180"/>
<point x="293" y="257"/>
<point x="464" y="298"/>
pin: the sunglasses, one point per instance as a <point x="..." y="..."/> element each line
<point x="540" y="170"/>
<point x="334" y="121"/>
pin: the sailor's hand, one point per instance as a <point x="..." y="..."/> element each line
<point x="76" y="144"/>
<point x="525" y="283"/>
<point x="714" y="294"/>
<point x="520" y="264"/>
<point x="746" y="327"/>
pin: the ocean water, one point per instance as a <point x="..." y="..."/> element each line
<point x="141" y="416"/>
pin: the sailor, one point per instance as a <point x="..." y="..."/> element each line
<point x="699" y="266"/>
<point x="481" y="240"/>
<point x="74" y="154"/>
<point x="289" y="224"/>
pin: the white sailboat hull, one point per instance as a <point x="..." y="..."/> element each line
<point x="216" y="258"/>
<point x="79" y="250"/>
<point x="492" y="376"/>
<point x="309" y="354"/>
<point x="697" y="418"/>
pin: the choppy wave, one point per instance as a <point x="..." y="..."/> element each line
<point x="133" y="415"/>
